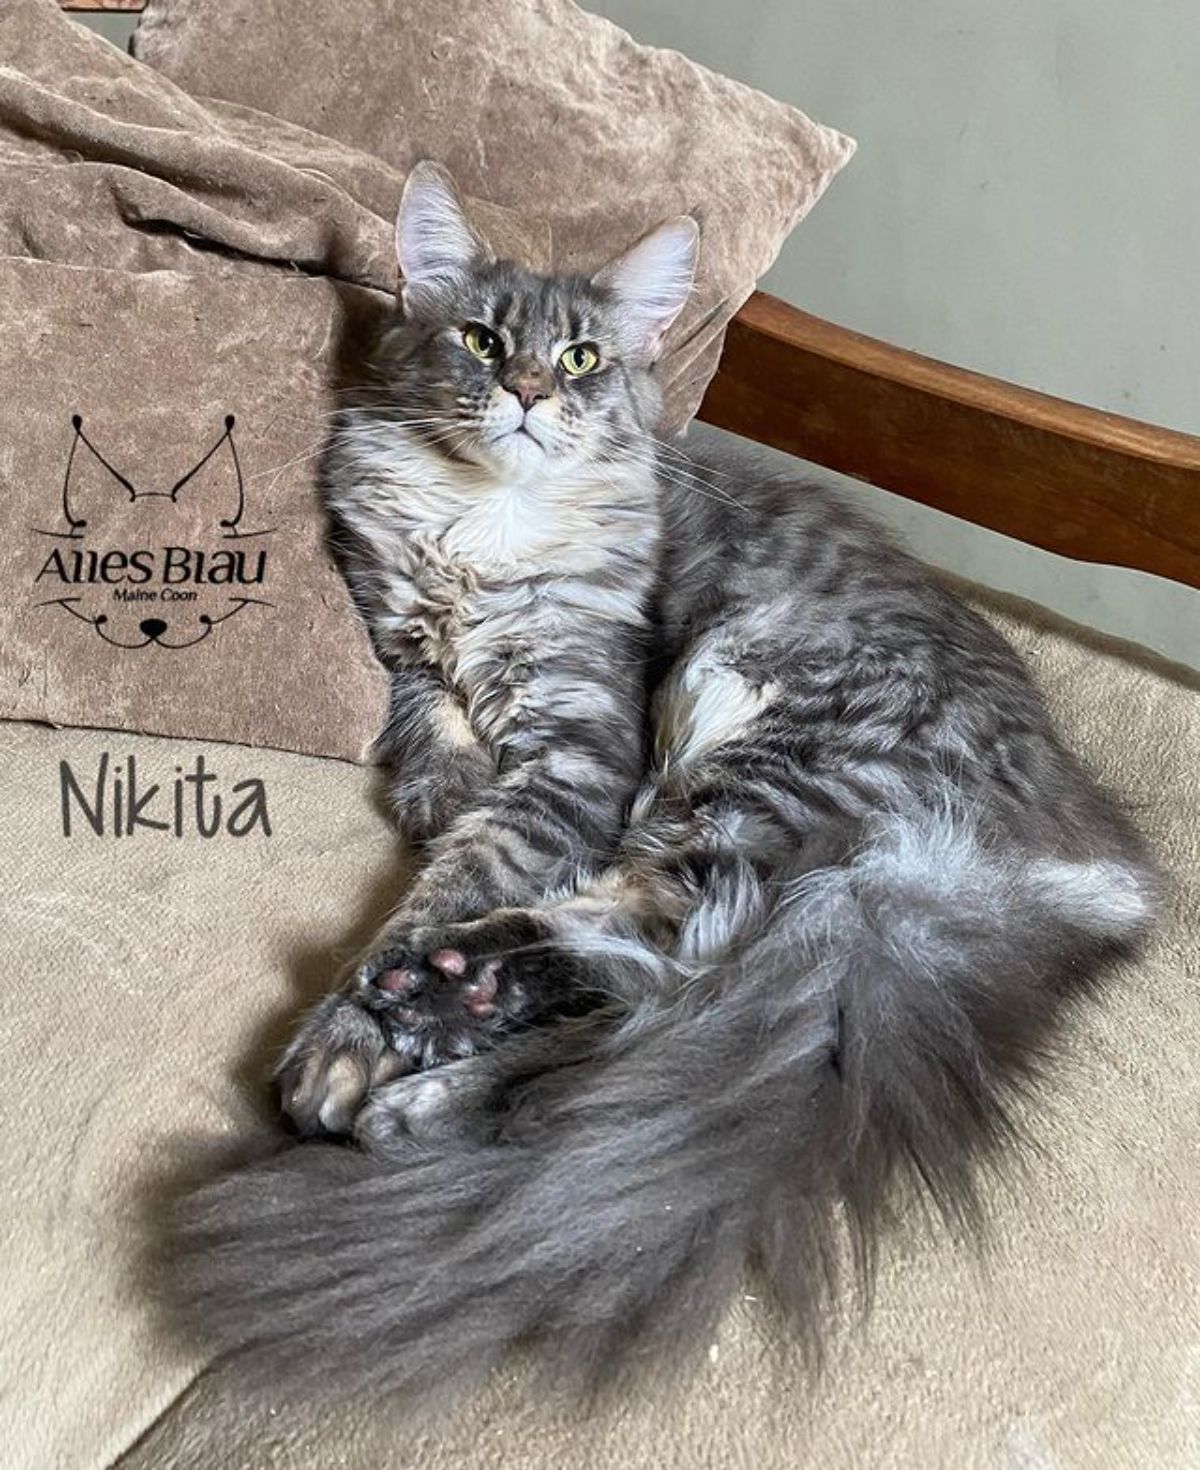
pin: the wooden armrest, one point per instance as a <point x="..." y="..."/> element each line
<point x="1071" y="479"/>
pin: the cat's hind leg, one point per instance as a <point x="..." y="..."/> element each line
<point x="482" y="1098"/>
<point x="642" y="931"/>
<point x="385" y="1024"/>
<point x="449" y="992"/>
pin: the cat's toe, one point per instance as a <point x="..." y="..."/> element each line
<point x="339" y="1054"/>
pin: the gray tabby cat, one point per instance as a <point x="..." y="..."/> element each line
<point x="655" y="1006"/>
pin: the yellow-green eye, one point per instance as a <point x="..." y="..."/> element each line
<point x="578" y="360"/>
<point x="483" y="342"/>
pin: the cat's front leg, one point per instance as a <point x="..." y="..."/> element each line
<point x="437" y="766"/>
<point x="555" y="813"/>
<point x="439" y="984"/>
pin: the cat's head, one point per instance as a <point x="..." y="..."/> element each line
<point x="524" y="373"/>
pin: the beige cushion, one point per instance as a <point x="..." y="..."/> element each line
<point x="149" y="979"/>
<point x="537" y="105"/>
<point x="325" y="692"/>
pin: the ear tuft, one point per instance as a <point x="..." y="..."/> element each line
<point x="433" y="237"/>
<point x="653" y="279"/>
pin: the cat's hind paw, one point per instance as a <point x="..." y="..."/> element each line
<point x="448" y="1102"/>
<point x="446" y="991"/>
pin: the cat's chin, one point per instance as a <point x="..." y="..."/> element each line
<point x="520" y="450"/>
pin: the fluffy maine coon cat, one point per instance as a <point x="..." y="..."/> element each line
<point x="755" y="877"/>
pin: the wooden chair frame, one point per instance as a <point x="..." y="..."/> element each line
<point x="1089" y="485"/>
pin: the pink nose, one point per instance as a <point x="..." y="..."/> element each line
<point x="528" y="391"/>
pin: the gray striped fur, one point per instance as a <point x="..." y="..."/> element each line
<point x="686" y="981"/>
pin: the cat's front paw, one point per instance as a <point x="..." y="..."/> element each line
<point x="340" y="1052"/>
<point x="447" y="990"/>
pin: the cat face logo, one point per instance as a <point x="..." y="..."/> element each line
<point x="153" y="568"/>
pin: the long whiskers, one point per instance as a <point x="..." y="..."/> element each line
<point x="673" y="466"/>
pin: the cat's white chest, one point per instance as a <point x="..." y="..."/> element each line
<point x="445" y="598"/>
<point x="504" y="535"/>
<point x="482" y="573"/>
<point x="475" y="577"/>
<point x="477" y="571"/>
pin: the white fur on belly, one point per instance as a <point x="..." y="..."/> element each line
<point x="704" y="706"/>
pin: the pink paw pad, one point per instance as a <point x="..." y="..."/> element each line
<point x="449" y="961"/>
<point x="397" y="981"/>
<point x="480" y="995"/>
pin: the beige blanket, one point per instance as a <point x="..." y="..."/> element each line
<point x="150" y="978"/>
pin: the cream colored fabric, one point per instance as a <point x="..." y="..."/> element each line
<point x="148" y="980"/>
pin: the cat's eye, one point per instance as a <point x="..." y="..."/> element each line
<point x="579" y="360"/>
<point x="483" y="342"/>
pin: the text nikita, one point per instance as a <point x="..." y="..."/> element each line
<point x="119" y="803"/>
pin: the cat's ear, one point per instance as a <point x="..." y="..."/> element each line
<point x="435" y="244"/>
<point x="92" y="488"/>
<point x="652" y="281"/>
<point x="214" y="486"/>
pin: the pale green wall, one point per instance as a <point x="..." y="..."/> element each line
<point x="118" y="28"/>
<point x="1025" y="201"/>
<point x="1026" y="197"/>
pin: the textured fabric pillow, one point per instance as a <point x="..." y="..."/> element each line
<point x="166" y="265"/>
<point x="536" y="105"/>
<point x="216" y="612"/>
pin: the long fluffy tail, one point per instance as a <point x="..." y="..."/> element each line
<point x="873" y="1023"/>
